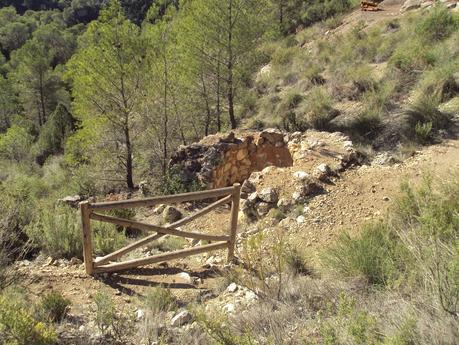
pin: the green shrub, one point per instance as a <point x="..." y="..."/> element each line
<point x="112" y="323"/>
<point x="171" y="243"/>
<point x="413" y="55"/>
<point x="296" y="262"/>
<point x="17" y="324"/>
<point x="366" y="124"/>
<point x="159" y="299"/>
<point x="425" y="110"/>
<point x="423" y="132"/>
<point x="15" y="144"/>
<point x="438" y="24"/>
<point x="54" y="307"/>
<point x="107" y="238"/>
<point x="427" y="222"/>
<point x="372" y="254"/>
<point x="315" y="11"/>
<point x="439" y="81"/>
<point x="318" y="109"/>
<point x="57" y="232"/>
<point x="175" y="183"/>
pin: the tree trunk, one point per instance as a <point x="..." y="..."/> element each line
<point x="230" y="66"/>
<point x="129" y="178"/>
<point x="219" y="122"/>
<point x="42" y="118"/>
<point x="208" y="111"/>
<point x="166" y="118"/>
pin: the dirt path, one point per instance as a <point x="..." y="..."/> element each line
<point x="364" y="194"/>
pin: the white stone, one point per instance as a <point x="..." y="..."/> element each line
<point x="229" y="308"/>
<point x="301" y="175"/>
<point x="232" y="288"/>
<point x="139" y="314"/>
<point x="182" y="318"/>
<point x="250" y="296"/>
<point x="269" y="194"/>
<point x="185" y="277"/>
<point x="300" y="219"/>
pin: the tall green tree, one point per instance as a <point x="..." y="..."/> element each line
<point x="8" y="103"/>
<point x="39" y="86"/>
<point x="108" y="73"/>
<point x="222" y="35"/>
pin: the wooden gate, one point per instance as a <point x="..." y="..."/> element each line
<point x="107" y="264"/>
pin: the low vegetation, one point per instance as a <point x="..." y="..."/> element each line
<point x="367" y="76"/>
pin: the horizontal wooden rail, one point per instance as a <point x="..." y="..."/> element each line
<point x="159" y="229"/>
<point x="177" y="198"/>
<point x="129" y="248"/>
<point x="119" y="266"/>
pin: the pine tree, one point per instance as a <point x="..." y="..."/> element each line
<point x="222" y="35"/>
<point x="108" y="73"/>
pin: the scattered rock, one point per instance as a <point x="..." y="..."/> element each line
<point x="263" y="208"/>
<point x="323" y="172"/>
<point x="181" y="318"/>
<point x="301" y="175"/>
<point x="386" y="198"/>
<point x="284" y="204"/>
<point x="232" y="288"/>
<point x="171" y="214"/>
<point x="269" y="195"/>
<point x="300" y="219"/>
<point x="186" y="278"/>
<point x="247" y="188"/>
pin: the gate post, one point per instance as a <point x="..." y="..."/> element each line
<point x="87" y="238"/>
<point x="234" y="217"/>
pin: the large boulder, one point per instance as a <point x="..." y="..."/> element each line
<point x="171" y="214"/>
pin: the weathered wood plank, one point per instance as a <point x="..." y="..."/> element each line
<point x="119" y="266"/>
<point x="129" y="248"/>
<point x="202" y="212"/>
<point x="234" y="217"/>
<point x="209" y="194"/>
<point x="163" y="230"/>
<point x="87" y="241"/>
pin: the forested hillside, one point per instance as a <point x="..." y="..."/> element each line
<point x="96" y="96"/>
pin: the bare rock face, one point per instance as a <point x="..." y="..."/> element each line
<point x="171" y="214"/>
<point x="220" y="161"/>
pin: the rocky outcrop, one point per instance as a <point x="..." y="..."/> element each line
<point x="220" y="161"/>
